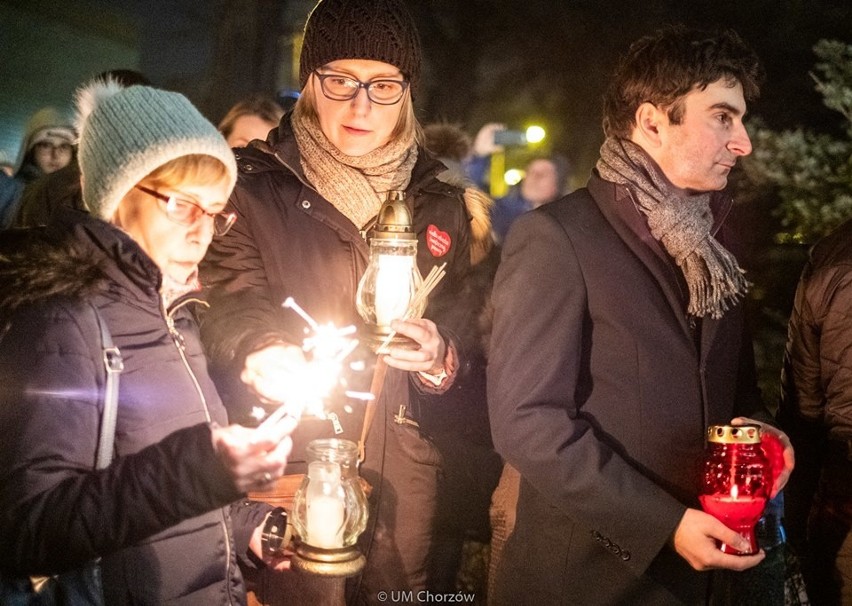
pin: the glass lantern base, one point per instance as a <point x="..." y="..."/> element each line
<point x="739" y="514"/>
<point x="341" y="562"/>
<point x="747" y="532"/>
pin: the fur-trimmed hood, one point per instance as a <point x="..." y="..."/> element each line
<point x="478" y="205"/>
<point x="35" y="266"/>
<point x="74" y="257"/>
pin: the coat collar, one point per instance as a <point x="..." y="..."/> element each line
<point x="103" y="242"/>
<point x="618" y="206"/>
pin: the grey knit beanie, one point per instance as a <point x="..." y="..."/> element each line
<point x="380" y="30"/>
<point x="127" y="133"/>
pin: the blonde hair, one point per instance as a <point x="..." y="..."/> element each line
<point x="406" y="124"/>
<point x="193" y="168"/>
<point x="256" y="105"/>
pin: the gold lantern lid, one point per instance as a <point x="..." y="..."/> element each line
<point x="395" y="219"/>
<point x="731" y="434"/>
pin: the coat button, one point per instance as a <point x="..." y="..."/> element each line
<point x="248" y="167"/>
<point x="625" y="555"/>
<point x="306" y="204"/>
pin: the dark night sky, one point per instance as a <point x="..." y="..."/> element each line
<point x="550" y="59"/>
<point x="497" y="60"/>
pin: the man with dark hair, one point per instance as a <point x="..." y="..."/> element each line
<point x="619" y="337"/>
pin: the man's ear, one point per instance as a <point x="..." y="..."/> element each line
<point x="650" y="121"/>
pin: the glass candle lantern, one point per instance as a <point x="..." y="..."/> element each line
<point x="736" y="480"/>
<point x="330" y="510"/>
<point x="388" y="287"/>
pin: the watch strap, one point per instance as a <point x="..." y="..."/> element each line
<point x="275" y="534"/>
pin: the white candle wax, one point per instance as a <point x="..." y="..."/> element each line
<point x="325" y="522"/>
<point x="393" y="287"/>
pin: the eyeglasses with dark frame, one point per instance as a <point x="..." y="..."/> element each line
<point x="382" y="91"/>
<point x="188" y="213"/>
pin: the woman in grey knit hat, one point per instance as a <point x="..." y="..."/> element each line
<point x="306" y="200"/>
<point x="157" y="508"/>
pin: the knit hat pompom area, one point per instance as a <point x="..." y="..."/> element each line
<point x="127" y="133"/>
<point x="378" y="30"/>
<point x="89" y="97"/>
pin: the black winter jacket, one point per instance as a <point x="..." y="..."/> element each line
<point x="291" y="242"/>
<point x="158" y="515"/>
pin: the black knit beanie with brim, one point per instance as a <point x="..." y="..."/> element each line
<point x="379" y="30"/>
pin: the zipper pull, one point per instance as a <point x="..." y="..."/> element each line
<point x="335" y="423"/>
<point x="176" y="336"/>
<point x="399" y="417"/>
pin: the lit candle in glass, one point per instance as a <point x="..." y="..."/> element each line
<point x="324" y="504"/>
<point x="736" y="480"/>
<point x="387" y="290"/>
<point x="329" y="511"/>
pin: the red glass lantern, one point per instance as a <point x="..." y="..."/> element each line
<point x="736" y="480"/>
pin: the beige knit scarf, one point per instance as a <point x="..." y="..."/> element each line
<point x="356" y="186"/>
<point x="682" y="224"/>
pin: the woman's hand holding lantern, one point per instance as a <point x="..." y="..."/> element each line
<point x="428" y="357"/>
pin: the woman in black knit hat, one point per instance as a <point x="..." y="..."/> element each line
<point x="306" y="199"/>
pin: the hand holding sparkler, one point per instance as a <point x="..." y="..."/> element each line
<point x="253" y="461"/>
<point x="301" y="379"/>
<point x="430" y="352"/>
<point x="274" y="372"/>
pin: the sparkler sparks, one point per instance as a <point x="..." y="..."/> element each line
<point x="326" y="347"/>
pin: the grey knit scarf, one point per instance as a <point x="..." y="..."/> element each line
<point x="356" y="186"/>
<point x="682" y="224"/>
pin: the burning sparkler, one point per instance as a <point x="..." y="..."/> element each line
<point x="326" y="347"/>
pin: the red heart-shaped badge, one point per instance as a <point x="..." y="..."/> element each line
<point x="438" y="242"/>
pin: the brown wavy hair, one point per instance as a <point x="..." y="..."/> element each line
<point x="664" y="67"/>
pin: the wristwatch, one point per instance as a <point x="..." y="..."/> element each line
<point x="275" y="534"/>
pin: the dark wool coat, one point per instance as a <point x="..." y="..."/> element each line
<point x="158" y="515"/>
<point x="290" y="241"/>
<point x="600" y="390"/>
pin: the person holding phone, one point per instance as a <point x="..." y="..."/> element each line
<point x="166" y="518"/>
